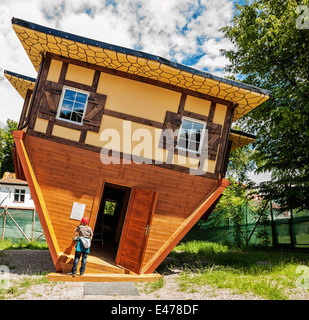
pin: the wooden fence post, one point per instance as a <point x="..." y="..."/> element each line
<point x="292" y="236"/>
<point x="4" y="221"/>
<point x="262" y="212"/>
<point x="33" y="225"/>
<point x="273" y="226"/>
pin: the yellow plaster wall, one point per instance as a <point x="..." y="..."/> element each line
<point x="220" y="114"/>
<point x="127" y="137"/>
<point x="41" y="125"/>
<point x="197" y="105"/>
<point x="67" y="133"/>
<point x="80" y="74"/>
<point x="210" y="166"/>
<point x="137" y="98"/>
<point x="54" y="70"/>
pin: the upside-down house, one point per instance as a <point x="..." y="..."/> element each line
<point x="136" y="143"/>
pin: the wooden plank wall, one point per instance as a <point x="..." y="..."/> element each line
<point x="67" y="174"/>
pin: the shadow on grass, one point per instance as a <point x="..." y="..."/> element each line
<point x="199" y="254"/>
<point x="264" y="272"/>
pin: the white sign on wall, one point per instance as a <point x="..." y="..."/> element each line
<point x="78" y="210"/>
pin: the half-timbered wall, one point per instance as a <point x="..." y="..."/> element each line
<point x="25" y="110"/>
<point x="127" y="103"/>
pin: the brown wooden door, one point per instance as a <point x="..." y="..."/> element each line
<point x="136" y="228"/>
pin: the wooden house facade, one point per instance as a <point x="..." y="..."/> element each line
<point x="118" y="136"/>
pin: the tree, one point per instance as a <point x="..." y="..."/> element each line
<point x="241" y="161"/>
<point x="272" y="53"/>
<point x="234" y="198"/>
<point x="6" y="143"/>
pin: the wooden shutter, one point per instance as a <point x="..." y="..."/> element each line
<point x="173" y="122"/>
<point x="136" y="229"/>
<point x="50" y="100"/>
<point x="94" y="112"/>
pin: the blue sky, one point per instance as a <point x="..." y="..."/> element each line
<point x="187" y="32"/>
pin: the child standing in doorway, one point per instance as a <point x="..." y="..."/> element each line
<point x="85" y="235"/>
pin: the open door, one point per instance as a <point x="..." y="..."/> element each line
<point x="136" y="229"/>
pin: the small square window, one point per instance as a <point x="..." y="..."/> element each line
<point x="72" y="105"/>
<point x="191" y="134"/>
<point x="110" y="207"/>
<point x="19" y="195"/>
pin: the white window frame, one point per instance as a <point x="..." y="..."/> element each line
<point x="61" y="102"/>
<point x="19" y="193"/>
<point x="202" y="136"/>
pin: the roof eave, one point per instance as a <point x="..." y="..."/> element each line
<point x="141" y="54"/>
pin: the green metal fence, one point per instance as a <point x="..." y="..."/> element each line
<point x="17" y="224"/>
<point x="289" y="229"/>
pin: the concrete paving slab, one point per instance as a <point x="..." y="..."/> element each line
<point x="110" y="288"/>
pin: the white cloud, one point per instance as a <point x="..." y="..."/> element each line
<point x="258" y="178"/>
<point x="181" y="30"/>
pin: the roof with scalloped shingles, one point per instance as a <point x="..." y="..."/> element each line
<point x="20" y="82"/>
<point x="37" y="39"/>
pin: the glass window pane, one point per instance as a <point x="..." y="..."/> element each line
<point x="186" y="124"/>
<point x="193" y="145"/>
<point x="79" y="107"/>
<point x="198" y="137"/>
<point x="67" y="104"/>
<point x="197" y="126"/>
<point x="192" y="134"/>
<point x="195" y="136"/>
<point x="16" y="197"/>
<point x="22" y="191"/>
<point x="184" y="134"/>
<point x="183" y="143"/>
<point x="69" y="94"/>
<point x="77" y="117"/>
<point x="65" y="114"/>
<point x="73" y="106"/>
<point x="22" y="198"/>
<point x="81" y="97"/>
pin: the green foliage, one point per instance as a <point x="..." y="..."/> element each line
<point x="236" y="205"/>
<point x="235" y="199"/>
<point x="6" y="143"/>
<point x="270" y="52"/>
<point x="241" y="161"/>
<point x="110" y="207"/>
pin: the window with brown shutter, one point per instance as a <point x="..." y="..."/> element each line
<point x="72" y="106"/>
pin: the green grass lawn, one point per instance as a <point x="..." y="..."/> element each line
<point x="266" y="272"/>
<point x="9" y="244"/>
